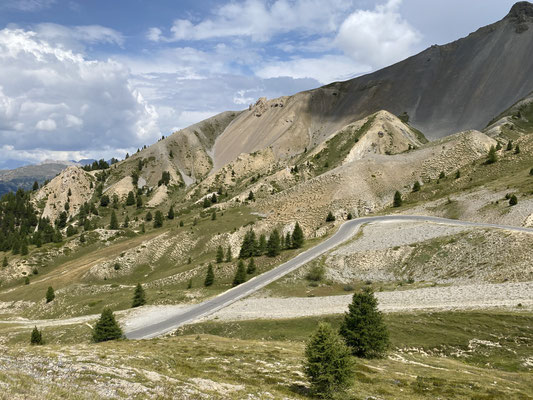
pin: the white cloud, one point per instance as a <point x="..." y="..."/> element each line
<point x="260" y="20"/>
<point x="56" y="100"/>
<point x="325" y="69"/>
<point x="73" y="36"/>
<point x="46" y="125"/>
<point x="379" y="37"/>
<point x="27" y="5"/>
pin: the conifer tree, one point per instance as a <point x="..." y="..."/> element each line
<point x="517" y="149"/>
<point x="139" y="201"/>
<point x="158" y="219"/>
<point x="274" y="244"/>
<point x="298" y="237"/>
<point x="209" y="276"/>
<point x="492" y="156"/>
<point x="288" y="241"/>
<point x="249" y="245"/>
<point x="24" y="248"/>
<point x="50" y="294"/>
<point x="458" y="174"/>
<point x="214" y="198"/>
<point x="262" y="244"/>
<point x="498" y="146"/>
<point x="130" y="200"/>
<point x="240" y="275"/>
<point x="148" y="217"/>
<point x="328" y="365"/>
<point x="35" y="186"/>
<point x="513" y="200"/>
<point x="251" y="267"/>
<point x="107" y="327"/>
<point x="213" y="215"/>
<point x="4" y="262"/>
<point x="36" y="337"/>
<point x="126" y="221"/>
<point x="139" y="296"/>
<point x="397" y="202"/>
<point x="114" y="221"/>
<point x="330" y="217"/>
<point x="170" y="214"/>
<point x="251" y="196"/>
<point x="220" y="254"/>
<point x="509" y="145"/>
<point x="363" y="327"/>
<point x="229" y="256"/>
<point x="206" y="203"/>
<point x="416" y="187"/>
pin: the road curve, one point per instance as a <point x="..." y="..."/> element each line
<point x="344" y="233"/>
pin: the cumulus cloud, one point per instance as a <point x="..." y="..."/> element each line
<point x="57" y="101"/>
<point x="379" y="37"/>
<point x="260" y="20"/>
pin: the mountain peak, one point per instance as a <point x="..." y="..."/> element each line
<point x="521" y="11"/>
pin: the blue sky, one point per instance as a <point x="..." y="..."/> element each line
<point x="92" y="78"/>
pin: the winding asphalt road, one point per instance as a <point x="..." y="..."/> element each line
<point x="345" y="232"/>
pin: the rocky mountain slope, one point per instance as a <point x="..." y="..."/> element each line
<point x="24" y="177"/>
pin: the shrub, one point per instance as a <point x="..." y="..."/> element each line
<point x="513" y="200"/>
<point x="316" y="273"/>
<point x="330" y="217"/>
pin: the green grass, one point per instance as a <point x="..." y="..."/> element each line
<point x="432" y="356"/>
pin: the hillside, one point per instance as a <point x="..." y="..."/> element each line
<point x="24" y="177"/>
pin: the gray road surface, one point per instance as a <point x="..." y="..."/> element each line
<point x="345" y="232"/>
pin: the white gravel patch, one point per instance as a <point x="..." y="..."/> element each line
<point x="466" y="297"/>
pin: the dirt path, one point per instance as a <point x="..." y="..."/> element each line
<point x="479" y="296"/>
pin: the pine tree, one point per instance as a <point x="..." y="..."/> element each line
<point x="36" y="337"/>
<point x="517" y="149"/>
<point x="416" y="187"/>
<point x="189" y="284"/>
<point x="158" y="219"/>
<point x="251" y="196"/>
<point x="35" y="186"/>
<point x="107" y="327"/>
<point x="509" y="145"/>
<point x="170" y="214"/>
<point x="297" y="237"/>
<point x="213" y="215"/>
<point x="397" y="202"/>
<point x="139" y="201"/>
<point x="498" y="146"/>
<point x="492" y="156"/>
<point x="126" y="221"/>
<point x="148" y="217"/>
<point x="214" y="198"/>
<point x="220" y="254"/>
<point x="139" y="296"/>
<point x="209" y="276"/>
<point x="206" y="203"/>
<point x="249" y="245"/>
<point x="363" y="327"/>
<point x="274" y="244"/>
<point x="24" y="248"/>
<point x="262" y="245"/>
<point x="50" y="294"/>
<point x="130" y="200"/>
<point x="229" y="256"/>
<point x="330" y="217"/>
<point x="251" y="267"/>
<point x="4" y="262"/>
<point x="513" y="200"/>
<point x="328" y="365"/>
<point x="288" y="241"/>
<point x="114" y="221"/>
<point x="240" y="275"/>
<point x="457" y="174"/>
<point x="442" y="175"/>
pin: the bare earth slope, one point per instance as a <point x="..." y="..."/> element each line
<point x="444" y="89"/>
